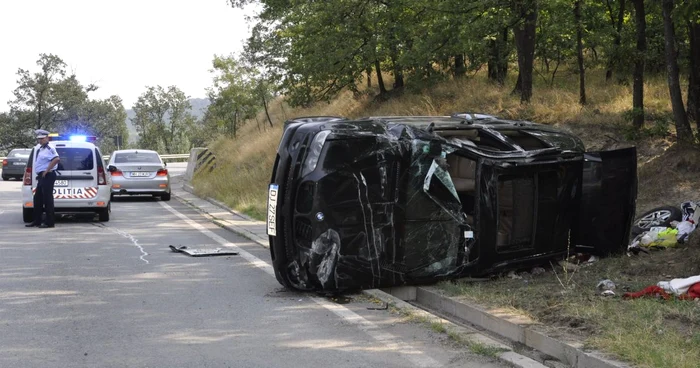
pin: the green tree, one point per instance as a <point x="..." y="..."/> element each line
<point x="683" y="132"/>
<point x="55" y="100"/>
<point x="105" y="119"/>
<point x="163" y="119"/>
<point x="233" y="95"/>
<point x="524" y="32"/>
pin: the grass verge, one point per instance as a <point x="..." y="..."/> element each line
<point x="440" y="326"/>
<point x="648" y="332"/>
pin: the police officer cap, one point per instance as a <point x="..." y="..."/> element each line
<point x="41" y="133"/>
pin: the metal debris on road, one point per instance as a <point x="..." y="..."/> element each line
<point x="202" y="252"/>
<point x="384" y="306"/>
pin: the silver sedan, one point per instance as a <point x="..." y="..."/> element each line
<point x="139" y="172"/>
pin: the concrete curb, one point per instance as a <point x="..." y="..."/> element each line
<point x="571" y="353"/>
<point x="467" y="336"/>
<point x="224" y="223"/>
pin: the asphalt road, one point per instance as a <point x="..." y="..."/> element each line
<point x="90" y="294"/>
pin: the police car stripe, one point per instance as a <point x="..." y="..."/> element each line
<point x="88" y="192"/>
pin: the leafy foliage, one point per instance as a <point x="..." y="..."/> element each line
<point x="312" y="50"/>
<point x="54" y="100"/>
<point x="163" y="120"/>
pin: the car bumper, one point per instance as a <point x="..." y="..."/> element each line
<point x="77" y="205"/>
<point x="13" y="170"/>
<point x="150" y="186"/>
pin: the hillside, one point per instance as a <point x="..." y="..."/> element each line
<point x="199" y="108"/>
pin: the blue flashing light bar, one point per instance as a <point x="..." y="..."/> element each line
<point x="78" y="138"/>
<point x="72" y="138"/>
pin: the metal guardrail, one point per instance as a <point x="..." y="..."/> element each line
<point x="178" y="156"/>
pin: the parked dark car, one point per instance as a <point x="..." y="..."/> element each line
<point x="13" y="165"/>
<point x="385" y="201"/>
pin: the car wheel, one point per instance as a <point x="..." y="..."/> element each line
<point x="661" y="216"/>
<point x="165" y="197"/>
<point x="283" y="280"/>
<point x="103" y="214"/>
<point x="28" y="214"/>
<point x="5" y="178"/>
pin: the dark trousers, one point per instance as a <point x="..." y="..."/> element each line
<point x="43" y="198"/>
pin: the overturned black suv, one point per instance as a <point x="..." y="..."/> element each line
<point x="393" y="200"/>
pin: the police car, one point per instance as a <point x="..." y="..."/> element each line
<point x="82" y="183"/>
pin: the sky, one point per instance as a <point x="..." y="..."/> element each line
<point x="122" y="46"/>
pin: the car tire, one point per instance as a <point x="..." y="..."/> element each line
<point x="5" y="178"/>
<point x="165" y="197"/>
<point x="660" y="216"/>
<point x="103" y="214"/>
<point x="27" y="214"/>
<point x="283" y="280"/>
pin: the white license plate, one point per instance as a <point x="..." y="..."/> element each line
<point x="140" y="173"/>
<point x="18" y="163"/>
<point x="272" y="210"/>
<point x="60" y="183"/>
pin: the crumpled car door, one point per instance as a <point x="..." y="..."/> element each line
<point x="608" y="202"/>
<point x="436" y="233"/>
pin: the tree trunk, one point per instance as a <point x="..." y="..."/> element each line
<point x="683" y="132"/>
<point x="398" y="70"/>
<point x="694" y="77"/>
<point x="525" y="44"/>
<point x="638" y="75"/>
<point x="518" y="85"/>
<point x="497" y="63"/>
<point x="460" y="66"/>
<point x="579" y="47"/>
<point x="267" y="113"/>
<point x="380" y="80"/>
<point x="368" y="71"/>
<point x="235" y="123"/>
<point x="617" y="37"/>
<point x="503" y="60"/>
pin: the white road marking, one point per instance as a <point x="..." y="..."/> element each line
<point x="417" y="357"/>
<point x="134" y="241"/>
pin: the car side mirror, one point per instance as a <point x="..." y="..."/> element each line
<point x="111" y="168"/>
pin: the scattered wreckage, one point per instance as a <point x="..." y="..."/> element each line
<point x="393" y="200"/>
<point x="664" y="227"/>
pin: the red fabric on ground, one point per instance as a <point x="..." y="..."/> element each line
<point x="693" y="292"/>
<point x="648" y="291"/>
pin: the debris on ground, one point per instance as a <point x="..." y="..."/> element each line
<point x="537" y="271"/>
<point x="202" y="252"/>
<point x="683" y="288"/>
<point x="661" y="237"/>
<point x="384" y="306"/>
<point x="568" y="266"/>
<point x="606" y="285"/>
<point x="513" y="275"/>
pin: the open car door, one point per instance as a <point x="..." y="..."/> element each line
<point x="608" y="202"/>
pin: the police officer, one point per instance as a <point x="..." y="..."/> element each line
<point x="45" y="165"/>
